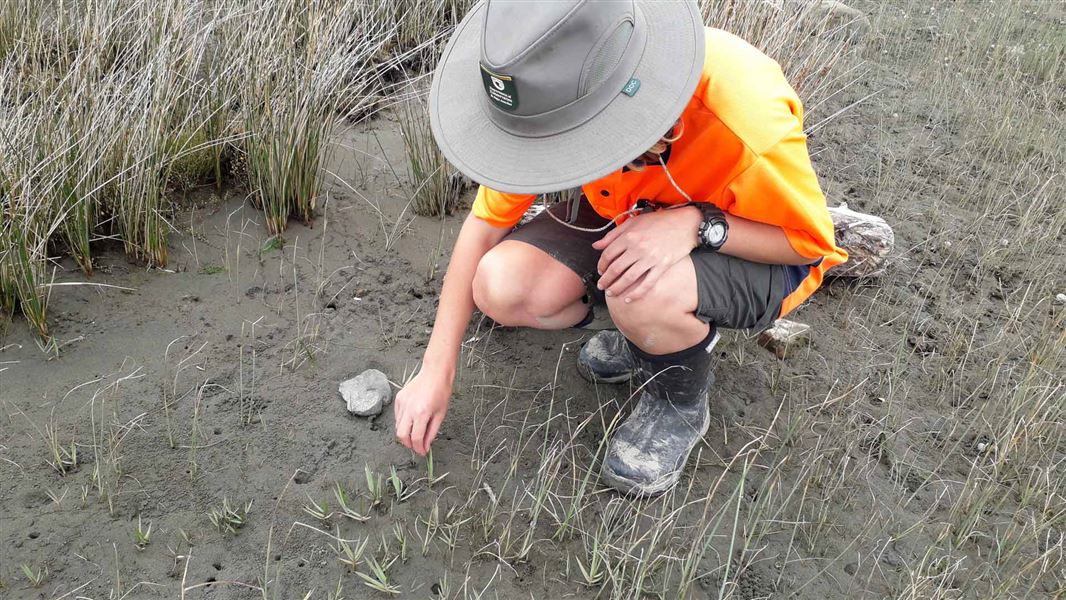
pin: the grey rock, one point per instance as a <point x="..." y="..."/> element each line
<point x="1060" y="299"/>
<point x="366" y="393"/>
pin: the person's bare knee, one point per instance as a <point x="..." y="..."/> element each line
<point x="663" y="321"/>
<point x="641" y="321"/>
<point x="514" y="286"/>
<point x="496" y="291"/>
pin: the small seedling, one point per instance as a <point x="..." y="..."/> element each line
<point x="175" y="557"/>
<point x="449" y="528"/>
<point x="338" y="592"/>
<point x="442" y="589"/>
<point x="318" y="510"/>
<point x="212" y="269"/>
<point x="57" y="499"/>
<point x="142" y="536"/>
<point x="449" y="534"/>
<point x="400" y="534"/>
<point x="228" y="519"/>
<point x="345" y="507"/>
<point x="432" y="524"/>
<point x="274" y="243"/>
<point x="350" y="556"/>
<point x="431" y="477"/>
<point x="399" y="489"/>
<point x="594" y="573"/>
<point x="378" y="579"/>
<point x="375" y="486"/>
<point x="64" y="458"/>
<point x="35" y="578"/>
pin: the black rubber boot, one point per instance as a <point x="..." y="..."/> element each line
<point x="606" y="358"/>
<point x="649" y="449"/>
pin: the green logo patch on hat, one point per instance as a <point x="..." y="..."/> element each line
<point x="631" y="87"/>
<point x="501" y="89"/>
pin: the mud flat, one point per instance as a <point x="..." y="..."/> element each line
<point x="188" y="439"/>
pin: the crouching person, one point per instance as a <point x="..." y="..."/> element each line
<point x="698" y="209"/>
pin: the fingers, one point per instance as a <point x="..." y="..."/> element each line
<point x="606" y="240"/>
<point x="617" y="268"/>
<point x="610" y="254"/>
<point x="403" y="430"/>
<point x="622" y="286"/>
<point x="418" y="435"/>
<point x="643" y="286"/>
<point x="434" y="428"/>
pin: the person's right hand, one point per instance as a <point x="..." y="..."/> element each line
<point x="420" y="408"/>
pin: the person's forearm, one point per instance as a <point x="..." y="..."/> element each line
<point x="456" y="297"/>
<point x="751" y="240"/>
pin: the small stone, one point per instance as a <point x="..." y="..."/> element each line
<point x="784" y="336"/>
<point x="1060" y="299"/>
<point x="891" y="558"/>
<point x="366" y="393"/>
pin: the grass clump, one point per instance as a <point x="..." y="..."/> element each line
<point x="437" y="185"/>
<point x="228" y="518"/>
<point x="142" y="536"/>
<point x="309" y="58"/>
<point x="110" y="112"/>
<point x="34" y="577"/>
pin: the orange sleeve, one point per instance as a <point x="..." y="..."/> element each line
<point x="500" y="209"/>
<point x="780" y="188"/>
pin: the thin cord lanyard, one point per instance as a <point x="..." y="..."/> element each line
<point x="634" y="210"/>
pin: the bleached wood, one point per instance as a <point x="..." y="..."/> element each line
<point x="868" y="239"/>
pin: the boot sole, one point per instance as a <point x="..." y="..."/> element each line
<point x="632" y="488"/>
<point x="591" y="377"/>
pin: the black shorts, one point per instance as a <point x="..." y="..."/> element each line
<point x="733" y="293"/>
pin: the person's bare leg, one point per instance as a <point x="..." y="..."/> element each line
<point x="520" y="285"/>
<point x="673" y="359"/>
<point x="663" y="321"/>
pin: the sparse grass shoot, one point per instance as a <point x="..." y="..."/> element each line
<point x="227" y="519"/>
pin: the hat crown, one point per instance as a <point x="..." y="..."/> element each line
<point x="537" y="57"/>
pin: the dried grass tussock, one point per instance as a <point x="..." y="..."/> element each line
<point x="185" y="439"/>
<point x="110" y="111"/>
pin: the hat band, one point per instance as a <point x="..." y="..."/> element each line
<point x="576" y="113"/>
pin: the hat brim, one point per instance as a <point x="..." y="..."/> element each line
<point x="669" y="71"/>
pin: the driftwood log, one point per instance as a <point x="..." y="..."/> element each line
<point x="784" y="336"/>
<point x="867" y="239"/>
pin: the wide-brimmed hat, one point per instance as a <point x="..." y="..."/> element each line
<point x="541" y="96"/>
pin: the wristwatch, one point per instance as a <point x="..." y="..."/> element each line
<point x="714" y="229"/>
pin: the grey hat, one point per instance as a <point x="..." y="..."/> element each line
<point x="541" y="96"/>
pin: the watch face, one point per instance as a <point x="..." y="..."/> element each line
<point x="716" y="234"/>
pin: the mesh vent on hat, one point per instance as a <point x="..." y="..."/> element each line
<point x="606" y="60"/>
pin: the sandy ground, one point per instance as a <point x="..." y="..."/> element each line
<point x="249" y="341"/>
<point x="356" y="290"/>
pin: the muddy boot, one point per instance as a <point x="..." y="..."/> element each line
<point x="606" y="358"/>
<point x="648" y="451"/>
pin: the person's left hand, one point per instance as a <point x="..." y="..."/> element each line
<point x="638" y="252"/>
